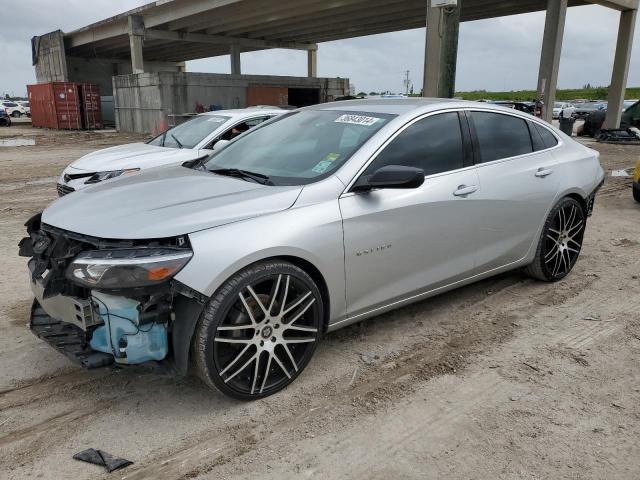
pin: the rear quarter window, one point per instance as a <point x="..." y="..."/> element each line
<point x="548" y="139"/>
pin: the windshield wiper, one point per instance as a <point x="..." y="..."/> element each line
<point x="177" y="141"/>
<point x="236" y="172"/>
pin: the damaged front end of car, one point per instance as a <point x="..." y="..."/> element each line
<point x="102" y="302"/>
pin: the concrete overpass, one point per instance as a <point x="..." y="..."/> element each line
<point x="161" y="35"/>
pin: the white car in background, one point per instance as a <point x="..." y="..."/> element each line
<point x="187" y="141"/>
<point x="25" y="104"/>
<point x="558" y="107"/>
<point x="13" y="108"/>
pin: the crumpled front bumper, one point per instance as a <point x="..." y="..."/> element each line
<point x="63" y="308"/>
<point x="66" y="338"/>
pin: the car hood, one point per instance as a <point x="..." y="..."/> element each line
<point x="165" y="202"/>
<point x="132" y="155"/>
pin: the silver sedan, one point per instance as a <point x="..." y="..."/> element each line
<point x="239" y="263"/>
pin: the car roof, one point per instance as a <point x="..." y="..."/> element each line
<point x="402" y="106"/>
<point x="397" y="106"/>
<point x="246" y="112"/>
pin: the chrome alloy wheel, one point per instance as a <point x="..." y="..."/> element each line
<point x="563" y="240"/>
<point x="267" y="335"/>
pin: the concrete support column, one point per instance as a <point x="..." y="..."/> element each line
<point x="312" y="63"/>
<point x="235" y="59"/>
<point x="550" y="56"/>
<point x="136" y="38"/>
<point x="620" y="68"/>
<point x="441" y="51"/>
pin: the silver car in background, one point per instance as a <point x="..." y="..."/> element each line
<point x="323" y="217"/>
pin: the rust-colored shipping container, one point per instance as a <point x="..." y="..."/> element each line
<point x="90" y="106"/>
<point x="259" y="95"/>
<point x="55" y="105"/>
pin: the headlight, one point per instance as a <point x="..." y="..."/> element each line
<point x="127" y="267"/>
<point x="102" y="176"/>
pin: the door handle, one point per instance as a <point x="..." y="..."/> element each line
<point x="543" y="172"/>
<point x="465" y="190"/>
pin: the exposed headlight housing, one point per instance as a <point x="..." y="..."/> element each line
<point x="102" y="176"/>
<point x="126" y="267"/>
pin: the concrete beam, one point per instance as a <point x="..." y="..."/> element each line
<point x="234" y="52"/>
<point x="154" y="15"/>
<point x="224" y="40"/>
<point x="262" y="11"/>
<point x="550" y="55"/>
<point x="618" y="4"/>
<point x="371" y="30"/>
<point x="136" y="38"/>
<point x="621" y="61"/>
<point x="441" y="51"/>
<point x="370" y="27"/>
<point x="306" y="17"/>
<point x="312" y="63"/>
<point x="310" y="30"/>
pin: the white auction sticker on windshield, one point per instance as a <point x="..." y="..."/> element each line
<point x="357" y="120"/>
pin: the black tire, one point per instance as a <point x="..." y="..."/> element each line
<point x="636" y="192"/>
<point x="560" y="242"/>
<point x="16" y="114"/>
<point x="228" y="339"/>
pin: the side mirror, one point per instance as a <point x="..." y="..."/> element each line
<point x="391" y="176"/>
<point x="220" y="144"/>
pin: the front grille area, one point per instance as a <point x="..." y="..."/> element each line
<point x="64" y="189"/>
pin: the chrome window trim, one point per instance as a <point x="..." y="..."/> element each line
<point x="347" y="193"/>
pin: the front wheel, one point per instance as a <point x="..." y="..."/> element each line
<point x="636" y="192"/>
<point x="259" y="331"/>
<point x="16" y="114"/>
<point x="560" y="242"/>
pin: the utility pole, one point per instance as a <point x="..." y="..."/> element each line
<point x="406" y="82"/>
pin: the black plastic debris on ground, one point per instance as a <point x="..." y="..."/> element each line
<point x="618" y="135"/>
<point x="102" y="458"/>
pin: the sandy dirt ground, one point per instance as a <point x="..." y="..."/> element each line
<point x="505" y="379"/>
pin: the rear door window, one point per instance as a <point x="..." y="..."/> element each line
<point x="500" y="136"/>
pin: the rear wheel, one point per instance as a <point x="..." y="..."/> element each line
<point x="259" y="331"/>
<point x="560" y="242"/>
<point x="16" y="114"/>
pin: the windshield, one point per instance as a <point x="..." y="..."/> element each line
<point x="10" y="104"/>
<point x="190" y="133"/>
<point x="301" y="147"/>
